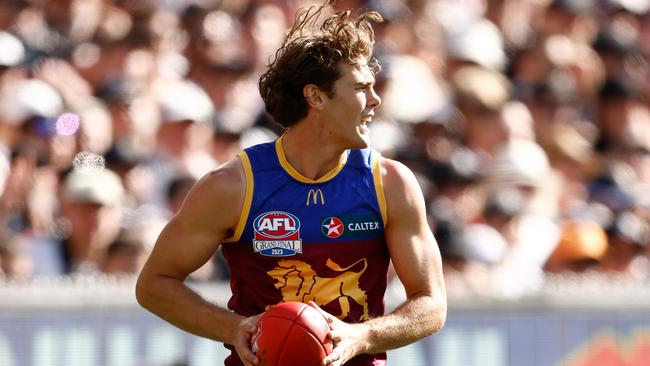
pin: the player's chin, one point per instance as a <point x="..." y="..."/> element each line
<point x="363" y="137"/>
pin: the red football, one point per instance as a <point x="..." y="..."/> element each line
<point x="291" y="333"/>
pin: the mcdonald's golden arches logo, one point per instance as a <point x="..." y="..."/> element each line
<point x="314" y="196"/>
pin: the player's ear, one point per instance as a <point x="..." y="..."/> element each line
<point x="314" y="96"/>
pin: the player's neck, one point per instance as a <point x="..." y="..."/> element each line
<point x="309" y="153"/>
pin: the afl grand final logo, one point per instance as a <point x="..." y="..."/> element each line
<point x="277" y="234"/>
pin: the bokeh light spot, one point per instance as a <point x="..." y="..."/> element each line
<point x="86" y="160"/>
<point x="67" y="124"/>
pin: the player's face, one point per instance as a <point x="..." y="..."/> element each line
<point x="352" y="107"/>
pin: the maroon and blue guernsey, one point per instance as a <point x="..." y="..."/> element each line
<point x="310" y="240"/>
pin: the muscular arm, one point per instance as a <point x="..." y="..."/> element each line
<point x="416" y="259"/>
<point x="209" y="213"/>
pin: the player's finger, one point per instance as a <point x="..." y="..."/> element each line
<point x="329" y="317"/>
<point x="330" y="359"/>
<point x="335" y="335"/>
<point x="250" y="328"/>
<point x="315" y="306"/>
<point x="247" y="357"/>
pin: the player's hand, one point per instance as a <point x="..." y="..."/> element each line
<point x="247" y="327"/>
<point x="348" y="339"/>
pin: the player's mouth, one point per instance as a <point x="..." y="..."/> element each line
<point x="363" y="126"/>
<point x="366" y="119"/>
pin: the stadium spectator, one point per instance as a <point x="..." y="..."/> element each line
<point x="628" y="237"/>
<point x="91" y="212"/>
<point x="125" y="255"/>
<point x="183" y="139"/>
<point x="176" y="192"/>
<point x="580" y="248"/>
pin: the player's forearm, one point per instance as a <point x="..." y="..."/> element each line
<point x="418" y="317"/>
<point x="174" y="302"/>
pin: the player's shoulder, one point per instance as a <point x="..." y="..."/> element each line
<point x="394" y="173"/>
<point x="227" y="179"/>
<point x="404" y="197"/>
<point x="400" y="185"/>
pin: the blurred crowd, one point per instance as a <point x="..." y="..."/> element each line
<point x="527" y="123"/>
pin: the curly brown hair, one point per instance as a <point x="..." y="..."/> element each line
<point x="310" y="54"/>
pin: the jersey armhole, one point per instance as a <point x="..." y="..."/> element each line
<point x="248" y="199"/>
<point x="379" y="187"/>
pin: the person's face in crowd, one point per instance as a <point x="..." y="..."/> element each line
<point x="486" y="128"/>
<point x="352" y="107"/>
<point x="128" y="261"/>
<point x="172" y="136"/>
<point x="84" y="216"/>
<point x="92" y="224"/>
<point x="612" y="116"/>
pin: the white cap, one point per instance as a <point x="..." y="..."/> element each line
<point x="484" y="244"/>
<point x="489" y="87"/>
<point x="479" y="42"/>
<point x="633" y="6"/>
<point x="32" y="97"/>
<point x="184" y="100"/>
<point x="93" y="185"/>
<point x="12" y="51"/>
<point x="519" y="162"/>
<point x="412" y="94"/>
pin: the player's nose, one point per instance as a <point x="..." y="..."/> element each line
<point x="374" y="100"/>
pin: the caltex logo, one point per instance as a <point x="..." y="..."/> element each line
<point x="332" y="227"/>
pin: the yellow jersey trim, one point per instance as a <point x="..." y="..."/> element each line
<point x="248" y="198"/>
<point x="379" y="187"/>
<point x="299" y="177"/>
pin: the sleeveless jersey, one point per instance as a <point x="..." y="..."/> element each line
<point x="310" y="240"/>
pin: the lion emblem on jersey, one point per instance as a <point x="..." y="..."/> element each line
<point x="299" y="282"/>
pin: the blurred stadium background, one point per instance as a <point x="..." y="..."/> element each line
<point x="527" y="123"/>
